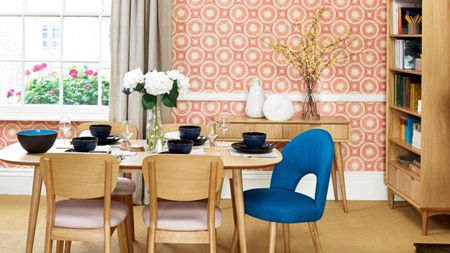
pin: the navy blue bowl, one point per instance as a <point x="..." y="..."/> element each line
<point x="254" y="139"/>
<point x="37" y="140"/>
<point x="84" y="144"/>
<point x="100" y="131"/>
<point x="180" y="146"/>
<point x="189" y="132"/>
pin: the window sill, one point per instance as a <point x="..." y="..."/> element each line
<point x="53" y="112"/>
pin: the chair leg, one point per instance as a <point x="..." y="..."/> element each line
<point x="272" y="236"/>
<point x="48" y="239"/>
<point x="59" y="246"/>
<point x="107" y="240"/>
<point x="287" y="244"/>
<point x="315" y="236"/>
<point x="130" y="216"/>
<point x="67" y="246"/>
<point x="123" y="238"/>
<point x="219" y="193"/>
<point x="234" y="241"/>
<point x="212" y="241"/>
<point x="151" y="234"/>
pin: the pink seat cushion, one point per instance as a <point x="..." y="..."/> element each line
<point x="124" y="186"/>
<point x="87" y="213"/>
<point x="182" y="216"/>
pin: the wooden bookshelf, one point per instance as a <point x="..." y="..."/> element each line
<point x="427" y="191"/>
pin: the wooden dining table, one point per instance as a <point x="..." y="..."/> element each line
<point x="233" y="166"/>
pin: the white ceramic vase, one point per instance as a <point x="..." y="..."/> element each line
<point x="255" y="100"/>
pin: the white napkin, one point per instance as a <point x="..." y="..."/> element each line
<point x="85" y="133"/>
<point x="235" y="153"/>
<point x="197" y="151"/>
<point x="172" y="135"/>
<point x="102" y="149"/>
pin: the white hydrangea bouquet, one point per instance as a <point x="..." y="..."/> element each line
<point x="156" y="87"/>
<point x="167" y="85"/>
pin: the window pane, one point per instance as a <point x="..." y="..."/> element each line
<point x="10" y="82"/>
<point x="44" y="5"/>
<point x="80" y="84"/>
<point x="107" y="6"/>
<point x="106" y="46"/>
<point x="42" y="38"/>
<point x="105" y="75"/>
<point x="41" y="83"/>
<point x="11" y="6"/>
<point x="83" y="5"/>
<point x="81" y="36"/>
<point x="10" y="45"/>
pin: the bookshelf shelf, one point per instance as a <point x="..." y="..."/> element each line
<point x="405" y="169"/>
<point x="405" y="110"/>
<point x="405" y="145"/>
<point x="405" y="36"/>
<point x="406" y="71"/>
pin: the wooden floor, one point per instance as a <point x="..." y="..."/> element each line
<point x="370" y="226"/>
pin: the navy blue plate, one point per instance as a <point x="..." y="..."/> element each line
<point x="241" y="147"/>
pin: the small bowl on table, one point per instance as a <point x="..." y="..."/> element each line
<point x="254" y="139"/>
<point x="189" y="132"/>
<point x="100" y="131"/>
<point x="37" y="140"/>
<point x="84" y="144"/>
<point x="180" y="146"/>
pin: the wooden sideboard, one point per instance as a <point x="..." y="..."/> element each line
<point x="284" y="131"/>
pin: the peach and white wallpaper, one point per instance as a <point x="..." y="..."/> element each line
<point x="214" y="44"/>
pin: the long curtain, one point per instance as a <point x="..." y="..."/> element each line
<point x="140" y="38"/>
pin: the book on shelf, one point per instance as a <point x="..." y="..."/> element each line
<point x="409" y="128"/>
<point x="416" y="137"/>
<point x="397" y="26"/>
<point x="407" y="91"/>
<point x="406" y="53"/>
<point x="402" y="128"/>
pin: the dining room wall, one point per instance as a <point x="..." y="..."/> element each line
<point x="214" y="44"/>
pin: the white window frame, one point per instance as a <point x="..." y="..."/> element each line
<point x="43" y="112"/>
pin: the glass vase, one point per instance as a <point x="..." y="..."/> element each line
<point x="310" y="104"/>
<point x="154" y="134"/>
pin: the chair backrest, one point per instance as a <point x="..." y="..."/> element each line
<point x="173" y="127"/>
<point x="182" y="177"/>
<point x="116" y="127"/>
<point x="310" y="152"/>
<point x="79" y="176"/>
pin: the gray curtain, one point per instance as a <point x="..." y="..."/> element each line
<point x="140" y="38"/>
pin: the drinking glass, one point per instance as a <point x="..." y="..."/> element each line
<point x="127" y="133"/>
<point x="64" y="126"/>
<point x="224" y="126"/>
<point x="212" y="132"/>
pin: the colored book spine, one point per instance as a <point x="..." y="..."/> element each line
<point x="409" y="129"/>
<point x="402" y="128"/>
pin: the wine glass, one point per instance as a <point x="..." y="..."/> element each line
<point x="224" y="126"/>
<point x="64" y="126"/>
<point x="127" y="133"/>
<point x="212" y="132"/>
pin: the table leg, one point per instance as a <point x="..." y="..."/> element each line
<point x="340" y="169"/>
<point x="240" y="213"/>
<point x="34" y="208"/>
<point x="333" y="178"/>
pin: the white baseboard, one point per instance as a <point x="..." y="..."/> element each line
<point x="359" y="185"/>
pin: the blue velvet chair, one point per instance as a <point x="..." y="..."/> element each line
<point x="310" y="152"/>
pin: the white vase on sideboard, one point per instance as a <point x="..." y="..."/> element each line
<point x="255" y="100"/>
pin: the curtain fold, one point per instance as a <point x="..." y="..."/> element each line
<point x="140" y="38"/>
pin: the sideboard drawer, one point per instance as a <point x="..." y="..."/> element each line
<point x="339" y="132"/>
<point x="273" y="131"/>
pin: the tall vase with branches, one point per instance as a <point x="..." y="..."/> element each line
<point x="311" y="58"/>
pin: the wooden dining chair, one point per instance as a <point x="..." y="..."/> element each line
<point x="178" y="186"/>
<point x="87" y="213"/>
<point x="125" y="186"/>
<point x="173" y="127"/>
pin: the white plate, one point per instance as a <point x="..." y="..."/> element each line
<point x="172" y="135"/>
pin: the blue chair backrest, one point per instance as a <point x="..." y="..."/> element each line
<point x="310" y="152"/>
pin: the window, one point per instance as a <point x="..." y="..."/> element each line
<point x="55" y="52"/>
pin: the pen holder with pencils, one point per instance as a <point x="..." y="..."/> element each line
<point x="414" y="28"/>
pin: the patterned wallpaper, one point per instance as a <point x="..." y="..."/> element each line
<point x="214" y="44"/>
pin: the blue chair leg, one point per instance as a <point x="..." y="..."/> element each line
<point x="315" y="236"/>
<point x="287" y="246"/>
